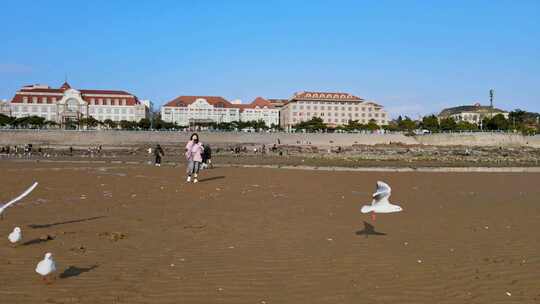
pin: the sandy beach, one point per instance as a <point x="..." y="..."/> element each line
<point x="138" y="234"/>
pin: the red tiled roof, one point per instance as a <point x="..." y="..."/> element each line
<point x="28" y="89"/>
<point x="332" y="96"/>
<point x="104" y="92"/>
<point x="184" y="101"/>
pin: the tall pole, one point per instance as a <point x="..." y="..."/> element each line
<point x="491" y="94"/>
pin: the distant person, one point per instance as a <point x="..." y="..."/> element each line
<point x="194" y="151"/>
<point x="158" y="153"/>
<point x="70" y="151"/>
<point x="207" y="157"/>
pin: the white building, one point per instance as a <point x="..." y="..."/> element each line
<point x="473" y="114"/>
<point x="334" y="109"/>
<point x="67" y="104"/>
<point x="259" y="109"/>
<point x="189" y="110"/>
<point x="5" y="108"/>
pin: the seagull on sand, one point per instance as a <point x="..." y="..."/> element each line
<point x="18" y="198"/>
<point x="46" y="266"/>
<point x="380" y="203"/>
<point x="15" y="236"/>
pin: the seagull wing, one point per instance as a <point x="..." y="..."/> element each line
<point x="383" y="191"/>
<point x="18" y="198"/>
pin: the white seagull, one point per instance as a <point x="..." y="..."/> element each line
<point x="15" y="236"/>
<point x="18" y="198"/>
<point x="380" y="203"/>
<point x="46" y="266"/>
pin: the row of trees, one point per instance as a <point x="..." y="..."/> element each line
<point x="34" y="122"/>
<point x="316" y="124"/>
<point x="155" y="123"/>
<point x="518" y="120"/>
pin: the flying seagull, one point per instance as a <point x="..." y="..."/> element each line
<point x="46" y="266"/>
<point x="13" y="201"/>
<point x="380" y="203"/>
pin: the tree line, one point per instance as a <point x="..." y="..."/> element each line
<point x="518" y="120"/>
<point x="154" y="123"/>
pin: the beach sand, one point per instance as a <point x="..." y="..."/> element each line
<point x="139" y="234"/>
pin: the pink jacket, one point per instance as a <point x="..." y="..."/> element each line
<point x="194" y="151"/>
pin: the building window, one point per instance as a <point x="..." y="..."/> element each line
<point x="123" y="102"/>
<point x="54" y="99"/>
<point x="44" y="100"/>
<point x="34" y="99"/>
<point x="108" y="101"/>
<point x="25" y="99"/>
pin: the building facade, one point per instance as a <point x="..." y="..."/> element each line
<point x="66" y="104"/>
<point x="191" y="110"/>
<point x="5" y="108"/>
<point x="335" y="109"/>
<point x="474" y="114"/>
<point x="260" y="109"/>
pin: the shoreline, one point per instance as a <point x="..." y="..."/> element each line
<point x="425" y="169"/>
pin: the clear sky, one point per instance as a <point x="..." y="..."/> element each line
<point x="414" y="57"/>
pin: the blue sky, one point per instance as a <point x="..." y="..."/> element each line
<point x="414" y="57"/>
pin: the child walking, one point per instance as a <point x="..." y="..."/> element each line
<point x="194" y="151"/>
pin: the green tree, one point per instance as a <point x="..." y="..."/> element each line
<point x="466" y="126"/>
<point x="89" y="122"/>
<point x="448" y="124"/>
<point x="372" y="125"/>
<point x="312" y="125"/>
<point x="406" y="124"/>
<point x="430" y="123"/>
<point x="6" y="120"/>
<point x="144" y="124"/>
<point x="109" y="123"/>
<point x="498" y="122"/>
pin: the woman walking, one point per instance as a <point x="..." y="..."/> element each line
<point x="194" y="150"/>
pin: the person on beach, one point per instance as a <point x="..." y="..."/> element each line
<point x="194" y="151"/>
<point x="158" y="153"/>
<point x="206" y="157"/>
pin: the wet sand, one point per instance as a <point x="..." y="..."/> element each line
<point x="138" y="234"/>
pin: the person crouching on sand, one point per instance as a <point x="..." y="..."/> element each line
<point x="158" y="153"/>
<point x="194" y="150"/>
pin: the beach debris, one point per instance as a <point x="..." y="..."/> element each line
<point x="15" y="236"/>
<point x="172" y="265"/>
<point x="486" y="227"/>
<point x="79" y="249"/>
<point x="46" y="266"/>
<point x="220" y="289"/>
<point x="46" y="237"/>
<point x="113" y="236"/>
<point x="83" y="196"/>
<point x="380" y="203"/>
<point x="508" y="294"/>
<point x="18" y="198"/>
<point x="330" y="239"/>
<point x="133" y="195"/>
<point x="419" y="261"/>
<point x="405" y="243"/>
<point x="231" y="247"/>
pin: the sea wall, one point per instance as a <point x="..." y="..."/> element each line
<point x="132" y="138"/>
